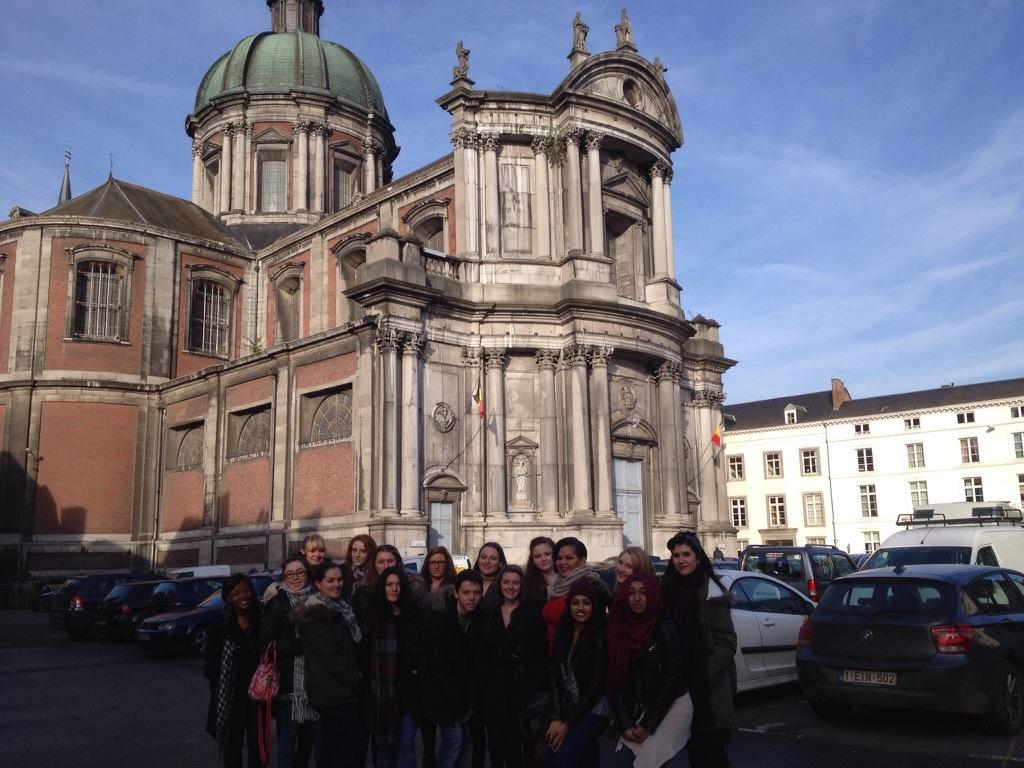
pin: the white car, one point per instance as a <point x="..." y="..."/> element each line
<point x="767" y="615"/>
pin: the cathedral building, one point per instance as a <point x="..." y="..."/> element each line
<point x="491" y="347"/>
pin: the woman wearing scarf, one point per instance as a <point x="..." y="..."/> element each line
<point x="358" y="556"/>
<point x="393" y="625"/>
<point x="578" y="667"/>
<point x="231" y="660"/>
<point x="330" y="637"/>
<point x="298" y="724"/>
<point x="572" y="568"/>
<point x="699" y="607"/>
<point x="646" y="691"/>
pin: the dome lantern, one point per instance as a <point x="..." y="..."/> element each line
<point x="296" y="15"/>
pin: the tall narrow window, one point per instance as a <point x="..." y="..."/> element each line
<point x="772" y="464"/>
<point x="273" y="172"/>
<point x="865" y="460"/>
<point x="98" y="296"/>
<point x="777" y="511"/>
<point x="343" y="183"/>
<point x="915" y="455"/>
<point x="973" y="490"/>
<point x="735" y="467"/>
<point x="814" y="509"/>
<point x="1018" y="445"/>
<point x="969" y="450"/>
<point x="918" y="493"/>
<point x="809" y="461"/>
<point x="211" y="318"/>
<point x="872" y="541"/>
<point x="289" y="308"/>
<point x="868" y="501"/>
<point x="516" y="209"/>
<point x="738" y="506"/>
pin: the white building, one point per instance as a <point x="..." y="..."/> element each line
<point x="827" y="468"/>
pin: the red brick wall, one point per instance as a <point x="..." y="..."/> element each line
<point x="182" y="507"/>
<point x="324" y="483"/>
<point x="7" y="303"/>
<point x="325" y="372"/>
<point x="188" y="362"/>
<point x="245" y="492"/>
<point x="92" y="355"/>
<point x="255" y="391"/>
<point x="187" y="410"/>
<point x="178" y="558"/>
<point x="86" y="470"/>
<point x="241" y="554"/>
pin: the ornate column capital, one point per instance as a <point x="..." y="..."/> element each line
<point x="708" y="398"/>
<point x="229" y="129"/>
<point x="668" y="371"/>
<point x="593" y="140"/>
<point x="576" y="354"/>
<point x="669" y="173"/>
<point x="301" y="126"/>
<point x="599" y="356"/>
<point x="387" y="337"/>
<point x="318" y="129"/>
<point x="242" y="127"/>
<point x="658" y="171"/>
<point x="490" y="142"/>
<point x="197" y="148"/>
<point x="574" y="134"/>
<point x="539" y="145"/>
<point x="546" y="359"/>
<point x="413" y="343"/>
<point x="471" y="357"/>
<point x="371" y="147"/>
<point x="495" y="359"/>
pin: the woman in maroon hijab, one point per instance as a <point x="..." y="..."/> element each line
<point x="650" y="707"/>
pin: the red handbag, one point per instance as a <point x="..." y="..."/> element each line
<point x="264" y="686"/>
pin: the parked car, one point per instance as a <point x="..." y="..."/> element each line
<point x="187" y="631"/>
<point x="73" y="607"/>
<point x="119" y="613"/>
<point x="180" y="594"/>
<point x="808" y="569"/>
<point x="767" y="615"/>
<point x="989" y="533"/>
<point x="726" y="564"/>
<point x="859" y="559"/>
<point x="41" y="602"/>
<point x="941" y="637"/>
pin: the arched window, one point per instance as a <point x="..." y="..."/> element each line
<point x="431" y="233"/>
<point x="190" y="449"/>
<point x="210" y="318"/>
<point x="254" y="435"/>
<point x="288" y="296"/>
<point x="332" y="419"/>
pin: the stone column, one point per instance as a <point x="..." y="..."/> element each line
<point x="302" y="189"/>
<point x="542" y="202"/>
<point x="238" y="163"/>
<point x="472" y="143"/>
<point x="388" y="342"/>
<point x="576" y="359"/>
<point x="492" y="219"/>
<point x="369" y="165"/>
<point x="412" y="475"/>
<point x="494" y="401"/>
<point x="681" y="393"/>
<point x="319" y="168"/>
<point x="667" y="377"/>
<point x="670" y="252"/>
<point x="708" y="404"/>
<point x="658" y="220"/>
<point x="546" y="361"/>
<point x="473" y="431"/>
<point x="225" y="169"/>
<point x="601" y="429"/>
<point x="248" y="203"/>
<point x="574" y="192"/>
<point x="197" y="173"/>
<point x="595" y="210"/>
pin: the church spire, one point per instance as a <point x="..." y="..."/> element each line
<point x="65" y="185"/>
<point x="296" y="15"/>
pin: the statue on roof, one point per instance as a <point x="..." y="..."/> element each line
<point x="461" y="69"/>
<point x="624" y="33"/>
<point x="579" y="34"/>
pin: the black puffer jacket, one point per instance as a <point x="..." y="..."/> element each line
<point x="589" y="660"/>
<point x="512" y="662"/>
<point x="449" y="686"/>
<point x="332" y="656"/>
<point x="278" y="627"/>
<point x="654" y="682"/>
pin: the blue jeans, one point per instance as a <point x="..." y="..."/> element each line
<point x="296" y="742"/>
<point x="456" y="750"/>
<point x="402" y="756"/>
<point x="580" y="740"/>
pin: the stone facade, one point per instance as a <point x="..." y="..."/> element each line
<point x="491" y="347"/>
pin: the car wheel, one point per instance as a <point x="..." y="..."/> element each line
<point x="197" y="643"/>
<point x="830" y="710"/>
<point x="1006" y="712"/>
<point x="78" y="634"/>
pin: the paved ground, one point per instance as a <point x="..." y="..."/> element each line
<point x="85" y="704"/>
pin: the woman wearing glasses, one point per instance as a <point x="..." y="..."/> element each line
<point x="298" y="724"/>
<point x="438" y="574"/>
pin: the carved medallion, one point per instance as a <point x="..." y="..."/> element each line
<point x="627" y="397"/>
<point x="444" y="417"/>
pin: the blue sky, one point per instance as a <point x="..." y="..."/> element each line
<point x="849" y="201"/>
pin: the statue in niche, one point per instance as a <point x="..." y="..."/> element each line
<point x="579" y="33"/>
<point x="520" y="473"/>
<point x="624" y="33"/>
<point x="461" y="69"/>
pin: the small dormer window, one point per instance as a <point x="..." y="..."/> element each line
<point x="792" y="413"/>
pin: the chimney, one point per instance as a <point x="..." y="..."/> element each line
<point x="839" y="394"/>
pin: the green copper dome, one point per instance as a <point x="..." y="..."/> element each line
<point x="279" y="62"/>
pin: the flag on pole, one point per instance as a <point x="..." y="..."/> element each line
<point x="478" y="396"/>
<point x="716" y="437"/>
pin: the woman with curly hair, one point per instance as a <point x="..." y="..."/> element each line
<point x="358" y="556"/>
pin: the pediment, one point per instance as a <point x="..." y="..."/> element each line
<point x="635" y="430"/>
<point x="271" y="136"/>
<point x="627" y="184"/>
<point x="521" y="443"/>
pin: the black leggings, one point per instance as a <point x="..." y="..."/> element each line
<point x="344" y="739"/>
<point x="243" y="728"/>
<point x="709" y="749"/>
<point x="504" y="745"/>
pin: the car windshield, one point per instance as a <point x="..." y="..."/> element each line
<point x="213" y="601"/>
<point x="931" y="599"/>
<point x="120" y="592"/>
<point x="924" y="555"/>
<point x="788" y="566"/>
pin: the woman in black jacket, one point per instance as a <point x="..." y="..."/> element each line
<point x="391" y="639"/>
<point x="298" y="724"/>
<point x="577" y="680"/>
<point x="513" y="662"/>
<point x="651" y="710"/>
<point x="231" y="660"/>
<point x="330" y="637"/>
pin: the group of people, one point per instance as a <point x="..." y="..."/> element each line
<point x="524" y="666"/>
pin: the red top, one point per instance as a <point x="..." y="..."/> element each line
<point x="552" y="613"/>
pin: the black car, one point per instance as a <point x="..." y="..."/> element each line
<point x="808" y="569"/>
<point x="180" y="594"/>
<point x="941" y="637"/>
<point x="73" y="608"/>
<point x="119" y="613"/>
<point x="41" y="602"/>
<point x="187" y="630"/>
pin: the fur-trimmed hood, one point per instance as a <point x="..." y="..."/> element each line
<point x="313" y="608"/>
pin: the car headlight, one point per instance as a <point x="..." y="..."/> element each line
<point x="166" y="626"/>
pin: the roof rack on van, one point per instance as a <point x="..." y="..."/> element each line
<point x="979" y="515"/>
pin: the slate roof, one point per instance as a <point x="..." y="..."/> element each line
<point x="122" y="201"/>
<point x="761" y="414"/>
<point x="259" y="236"/>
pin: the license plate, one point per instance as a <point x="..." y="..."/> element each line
<point x="143" y="638"/>
<point x="865" y="677"/>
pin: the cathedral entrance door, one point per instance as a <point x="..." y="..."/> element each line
<point x="628" y="500"/>
<point x="439" y="532"/>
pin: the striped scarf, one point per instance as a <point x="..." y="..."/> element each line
<point x="225" y="691"/>
<point x="383" y="665"/>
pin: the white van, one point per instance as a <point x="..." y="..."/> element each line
<point x="199" y="570"/>
<point x="983" y="533"/>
